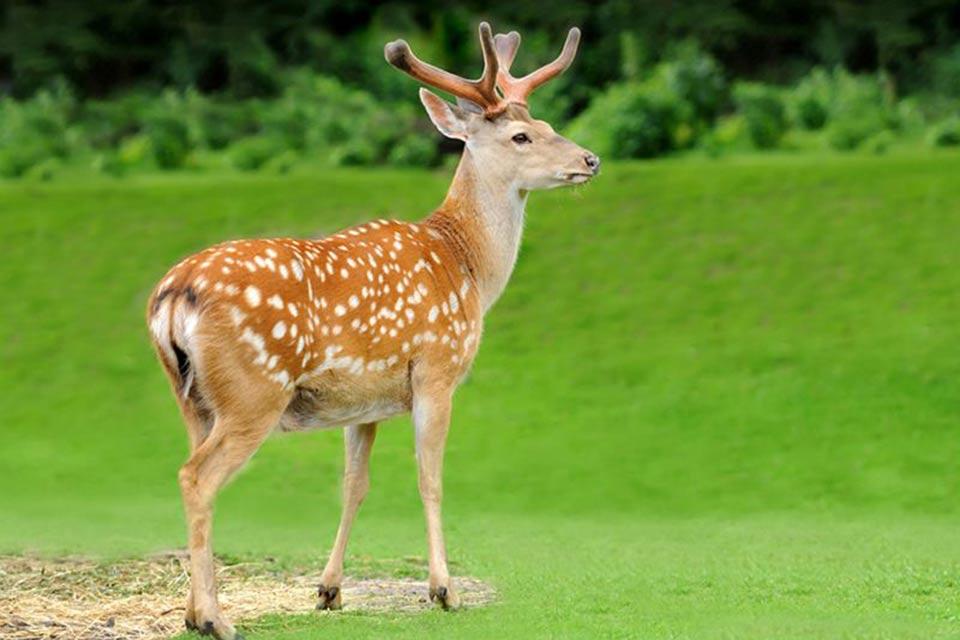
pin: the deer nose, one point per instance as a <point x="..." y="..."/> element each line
<point x="592" y="162"/>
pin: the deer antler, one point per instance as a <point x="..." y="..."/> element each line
<point x="482" y="91"/>
<point x="518" y="89"/>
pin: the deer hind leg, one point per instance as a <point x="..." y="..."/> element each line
<point x="431" y="420"/>
<point x="230" y="444"/>
<point x="198" y="425"/>
<point x="358" y="442"/>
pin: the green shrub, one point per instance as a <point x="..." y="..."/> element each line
<point x="810" y="100"/>
<point x="107" y="162"/>
<point x="880" y="142"/>
<point x="220" y="124"/>
<point x="852" y="108"/>
<point x="135" y="150"/>
<point x="945" y="134"/>
<point x="18" y="156"/>
<point x="696" y="78"/>
<point x="633" y="120"/>
<point x="281" y="163"/>
<point x="35" y="130"/>
<point x="849" y="132"/>
<point x="288" y="120"/>
<point x="858" y="110"/>
<point x="763" y="113"/>
<point x="356" y="152"/>
<point x="44" y="171"/>
<point x="169" y="140"/>
<point x="105" y="123"/>
<point x="414" y="150"/>
<point x="250" y="154"/>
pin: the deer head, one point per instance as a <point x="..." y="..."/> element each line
<point x="492" y="118"/>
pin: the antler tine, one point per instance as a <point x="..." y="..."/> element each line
<point x="507" y="45"/>
<point x="491" y="65"/>
<point x="481" y="91"/>
<point x="518" y="89"/>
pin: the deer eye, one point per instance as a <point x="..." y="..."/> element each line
<point x="521" y="138"/>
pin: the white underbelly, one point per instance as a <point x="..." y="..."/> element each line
<point x="305" y="417"/>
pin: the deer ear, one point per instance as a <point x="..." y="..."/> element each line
<point x="450" y="119"/>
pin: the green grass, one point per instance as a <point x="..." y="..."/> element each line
<point x="719" y="399"/>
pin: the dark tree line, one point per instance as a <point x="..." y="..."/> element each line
<point x="237" y="46"/>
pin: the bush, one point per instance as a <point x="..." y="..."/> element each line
<point x="849" y="132"/>
<point x="105" y="123"/>
<point x="110" y="163"/>
<point x="169" y="141"/>
<point x="879" y="142"/>
<point x="414" y="150"/>
<point x="763" y="113"/>
<point x="810" y="101"/>
<point x="220" y="124"/>
<point x="634" y="120"/>
<point x="17" y="157"/>
<point x="34" y="130"/>
<point x="135" y="150"/>
<point x="250" y="154"/>
<point x="44" y="171"/>
<point x="288" y="120"/>
<point x="858" y="109"/>
<point x="945" y="134"/>
<point x="282" y="163"/>
<point x="696" y="78"/>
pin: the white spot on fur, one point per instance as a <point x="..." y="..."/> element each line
<point x="252" y="295"/>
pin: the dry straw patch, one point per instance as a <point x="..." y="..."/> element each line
<point x="42" y="599"/>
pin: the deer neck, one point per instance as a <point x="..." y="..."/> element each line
<point x="481" y="220"/>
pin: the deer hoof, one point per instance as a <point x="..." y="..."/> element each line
<point x="329" y="598"/>
<point x="445" y="596"/>
<point x="220" y="631"/>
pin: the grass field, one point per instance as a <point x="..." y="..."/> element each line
<point x="718" y="399"/>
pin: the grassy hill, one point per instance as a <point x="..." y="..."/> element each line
<point x="718" y="399"/>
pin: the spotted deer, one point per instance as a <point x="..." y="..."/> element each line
<point x="377" y="320"/>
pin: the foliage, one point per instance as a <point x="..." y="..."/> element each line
<point x="943" y="71"/>
<point x="679" y="101"/>
<point x="634" y="120"/>
<point x="18" y="156"/>
<point x="35" y="130"/>
<point x="697" y="78"/>
<point x="763" y="112"/>
<point x="415" y="150"/>
<point x="880" y="142"/>
<point x="811" y="99"/>
<point x="169" y="140"/>
<point x="858" y="110"/>
<point x="249" y="154"/>
<point x="946" y="133"/>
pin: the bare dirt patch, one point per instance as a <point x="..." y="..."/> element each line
<point x="43" y="599"/>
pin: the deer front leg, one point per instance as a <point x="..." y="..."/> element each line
<point x="431" y="419"/>
<point x="358" y="441"/>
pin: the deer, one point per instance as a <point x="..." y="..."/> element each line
<point x="348" y="330"/>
